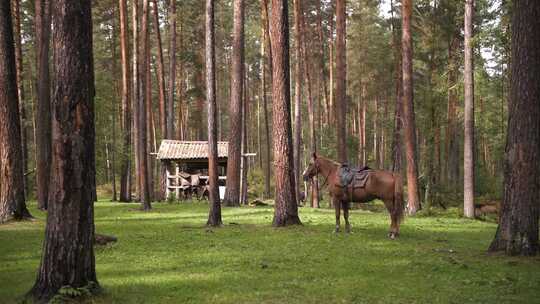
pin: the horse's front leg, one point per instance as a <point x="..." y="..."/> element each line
<point x="337" y="207"/>
<point x="346" y="216"/>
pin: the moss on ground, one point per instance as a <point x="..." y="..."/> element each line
<point x="168" y="256"/>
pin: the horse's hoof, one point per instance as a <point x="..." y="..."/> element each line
<point x="392" y="235"/>
<point x="336" y="230"/>
<point x="348" y="230"/>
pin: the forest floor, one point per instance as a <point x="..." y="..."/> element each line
<point x="168" y="256"/>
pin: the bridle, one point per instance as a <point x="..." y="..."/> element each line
<point x="317" y="172"/>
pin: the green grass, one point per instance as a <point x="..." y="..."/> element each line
<point x="168" y="256"/>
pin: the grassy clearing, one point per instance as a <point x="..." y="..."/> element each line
<point x="168" y="256"/>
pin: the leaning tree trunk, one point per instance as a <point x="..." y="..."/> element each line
<point x="517" y="233"/>
<point x="341" y="82"/>
<point x="68" y="254"/>
<point x="12" y="200"/>
<point x="468" y="146"/>
<point x="232" y="194"/>
<point x="214" y="215"/>
<point x="285" y="207"/>
<point x="125" y="170"/>
<point x="413" y="203"/>
<point x="43" y="108"/>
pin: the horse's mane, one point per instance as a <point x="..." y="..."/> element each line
<point x="328" y="160"/>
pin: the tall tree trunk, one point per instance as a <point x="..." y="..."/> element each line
<point x="114" y="108"/>
<point x="43" y="109"/>
<point x="172" y="71"/>
<point x="244" y="165"/>
<point x="12" y="199"/>
<point x="363" y="111"/>
<point x="20" y="87"/>
<point x="341" y="81"/>
<point x="517" y="233"/>
<point x="144" y="185"/>
<point x="331" y="76"/>
<point x="68" y="253"/>
<point x="285" y="207"/>
<point x="311" y="105"/>
<point x="322" y="61"/>
<point x="413" y="203"/>
<point x="452" y="145"/>
<point x="266" y="53"/>
<point x="397" y="154"/>
<point x="232" y="193"/>
<point x="125" y="170"/>
<point x="136" y="94"/>
<point x="468" y="146"/>
<point x="214" y="215"/>
<point x="148" y="98"/>
<point x="163" y="107"/>
<point x="297" y="144"/>
<point x="160" y="72"/>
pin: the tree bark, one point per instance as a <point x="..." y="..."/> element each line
<point x="232" y="193"/>
<point x="285" y="207"/>
<point x="125" y="170"/>
<point x="172" y="71"/>
<point x="214" y="215"/>
<point x="43" y="109"/>
<point x="413" y="203"/>
<point x="517" y="233"/>
<point x="144" y="185"/>
<point x="341" y="81"/>
<point x="20" y="87"/>
<point x="452" y="144"/>
<point x="468" y="146"/>
<point x="297" y="143"/>
<point x="397" y="154"/>
<point x="163" y="107"/>
<point x="136" y="93"/>
<point x="310" y="103"/>
<point x="12" y="198"/>
<point x="244" y="164"/>
<point x="322" y="62"/>
<point x="266" y="53"/>
<point x="68" y="254"/>
<point x="148" y="97"/>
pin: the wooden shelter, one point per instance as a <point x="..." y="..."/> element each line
<point x="188" y="158"/>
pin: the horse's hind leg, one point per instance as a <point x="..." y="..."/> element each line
<point x="345" y="206"/>
<point x="337" y="206"/>
<point x="394" y="224"/>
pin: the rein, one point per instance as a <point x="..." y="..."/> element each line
<point x="326" y="179"/>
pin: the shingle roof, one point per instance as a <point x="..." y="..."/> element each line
<point x="177" y="149"/>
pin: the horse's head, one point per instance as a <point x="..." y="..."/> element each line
<point x="312" y="168"/>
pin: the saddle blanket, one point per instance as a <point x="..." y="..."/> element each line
<point x="355" y="177"/>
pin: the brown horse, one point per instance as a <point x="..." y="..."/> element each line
<point x="384" y="185"/>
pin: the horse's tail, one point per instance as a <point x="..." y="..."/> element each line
<point x="399" y="204"/>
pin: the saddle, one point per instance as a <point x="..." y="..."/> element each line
<point x="353" y="176"/>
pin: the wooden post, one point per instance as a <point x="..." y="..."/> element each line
<point x="167" y="179"/>
<point x="177" y="179"/>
